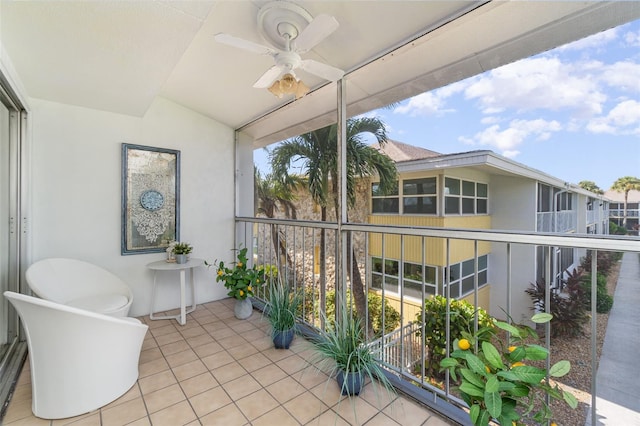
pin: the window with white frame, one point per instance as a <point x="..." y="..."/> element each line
<point x="416" y="277"/>
<point x="419" y="196"/>
<point x="465" y="197"/>
<point x="384" y="203"/>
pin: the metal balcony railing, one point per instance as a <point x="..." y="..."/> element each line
<point x="304" y="254"/>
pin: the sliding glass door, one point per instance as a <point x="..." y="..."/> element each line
<point x="12" y="125"/>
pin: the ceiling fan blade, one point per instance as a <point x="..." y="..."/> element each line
<point x="243" y="44"/>
<point x="268" y="77"/>
<point x="321" y="70"/>
<point x="317" y="30"/>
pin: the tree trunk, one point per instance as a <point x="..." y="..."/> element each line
<point x="281" y="251"/>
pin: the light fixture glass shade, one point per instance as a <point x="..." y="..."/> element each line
<point x="289" y="85"/>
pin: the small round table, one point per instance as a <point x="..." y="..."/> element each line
<point x="163" y="265"/>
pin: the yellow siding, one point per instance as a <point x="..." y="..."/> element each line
<point x="435" y="248"/>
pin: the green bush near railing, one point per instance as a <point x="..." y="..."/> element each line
<point x="462" y="317"/>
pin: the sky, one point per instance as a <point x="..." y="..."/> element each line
<point x="572" y="112"/>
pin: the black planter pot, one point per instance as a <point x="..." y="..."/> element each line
<point x="283" y="339"/>
<point x="350" y="383"/>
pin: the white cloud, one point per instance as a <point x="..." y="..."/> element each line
<point x="506" y="140"/>
<point x="539" y="83"/>
<point x="623" y="119"/>
<point x="431" y="103"/>
<point x="624" y="75"/>
<point x="511" y="154"/>
<point x="632" y="38"/>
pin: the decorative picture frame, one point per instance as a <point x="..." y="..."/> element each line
<point x="150" y="199"/>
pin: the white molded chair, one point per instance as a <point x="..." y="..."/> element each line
<point x="80" y="284"/>
<point x="80" y="360"/>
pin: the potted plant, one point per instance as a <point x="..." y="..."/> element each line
<point x="281" y="308"/>
<point x="507" y="382"/>
<point x="342" y="349"/>
<point x="240" y="280"/>
<point x="181" y="250"/>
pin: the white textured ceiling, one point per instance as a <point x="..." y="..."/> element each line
<point x="119" y="55"/>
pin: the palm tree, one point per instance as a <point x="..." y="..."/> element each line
<point x="318" y="153"/>
<point x="590" y="185"/>
<point x="271" y="195"/>
<point x="624" y="185"/>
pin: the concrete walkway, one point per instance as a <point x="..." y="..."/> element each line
<point x="618" y="376"/>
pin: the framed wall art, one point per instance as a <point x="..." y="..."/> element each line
<point x="150" y="198"/>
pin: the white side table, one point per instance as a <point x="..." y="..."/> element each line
<point x="183" y="268"/>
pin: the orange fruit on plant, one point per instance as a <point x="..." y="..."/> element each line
<point x="464" y="344"/>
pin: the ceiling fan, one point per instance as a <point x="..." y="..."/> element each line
<point x="292" y="30"/>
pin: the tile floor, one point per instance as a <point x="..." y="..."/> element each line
<point x="217" y="370"/>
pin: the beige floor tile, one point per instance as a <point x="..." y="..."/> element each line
<point x="124" y="413"/>
<point x="153" y="367"/>
<point x="328" y="418"/>
<point x="407" y="412"/>
<point x="232" y="341"/>
<point x="156" y="381"/>
<point x="92" y="419"/>
<point x="257" y="404"/>
<point x="285" y="390"/>
<point x="19" y="408"/>
<point x="382" y="419"/>
<point x="178" y="414"/>
<point x="193" y="331"/>
<point x="219" y="332"/>
<point x="167" y="339"/>
<point x="203" y="339"/>
<point x="198" y="384"/>
<point x="163" y="398"/>
<point x="189" y="370"/>
<point x="255" y="362"/>
<point x="217" y="360"/>
<point x="150" y="354"/>
<point x="226" y="416"/>
<point x="28" y="421"/>
<point x="175" y="347"/>
<point x="228" y="372"/>
<point x="278" y="416"/>
<point x="181" y="358"/>
<point x="269" y="374"/>
<point x="355" y="410"/>
<point x="161" y="328"/>
<point x="305" y="407"/>
<point x="242" y="351"/>
<point x="292" y="364"/>
<point x="437" y="421"/>
<point x="241" y="387"/>
<point x="209" y="401"/>
<point x="206" y="349"/>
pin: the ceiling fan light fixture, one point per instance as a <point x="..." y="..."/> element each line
<point x="288" y="85"/>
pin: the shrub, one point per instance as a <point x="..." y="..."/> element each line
<point x="604" y="301"/>
<point x="615" y="229"/>
<point x="606" y="260"/>
<point x="391" y="315"/>
<point x="462" y="319"/>
<point x="568" y="308"/>
<point x="497" y="383"/>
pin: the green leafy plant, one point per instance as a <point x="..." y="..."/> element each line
<point x="498" y="383"/>
<point x="182" y="248"/>
<point x="461" y="319"/>
<point x="239" y="279"/>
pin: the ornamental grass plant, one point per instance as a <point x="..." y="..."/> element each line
<point x="281" y="306"/>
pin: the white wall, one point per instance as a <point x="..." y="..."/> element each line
<point x="76" y="183"/>
<point x="512" y="204"/>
